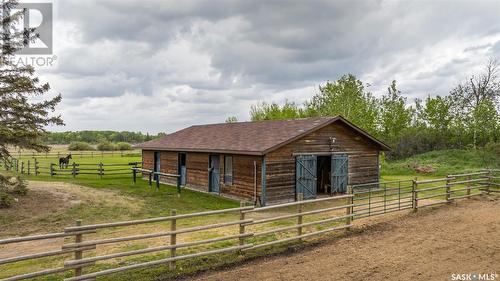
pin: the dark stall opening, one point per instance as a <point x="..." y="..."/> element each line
<point x="324" y="174"/>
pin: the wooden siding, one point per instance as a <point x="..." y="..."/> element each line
<point x="197" y="172"/>
<point x="280" y="164"/>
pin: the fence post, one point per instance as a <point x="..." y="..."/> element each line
<point x="101" y="171"/>
<point x="134" y="171"/>
<point x="17" y="165"/>
<point x="242" y="226"/>
<point x="36" y="168"/>
<point x="150" y="179"/>
<point x="22" y="167"/>
<point x="73" y="170"/>
<point x="350" y="203"/>
<point x="157" y="182"/>
<point x="51" y="169"/>
<point x="414" y="204"/>
<point x="173" y="237"/>
<point x="448" y="189"/>
<point x="490" y="181"/>
<point x="468" y="186"/>
<point x="58" y="156"/>
<point x="78" y="254"/>
<point x="300" y="198"/>
<point x="28" y="167"/>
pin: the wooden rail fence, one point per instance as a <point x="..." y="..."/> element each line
<point x="254" y="227"/>
<point x="244" y="238"/>
<point x="385" y="197"/>
<point x="77" y="154"/>
<point x="34" y="167"/>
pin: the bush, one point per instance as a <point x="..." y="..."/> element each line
<point x="10" y="186"/>
<point x="105" y="146"/>
<point x="80" y="146"/>
<point x="493" y="148"/>
<point x="123" y="146"/>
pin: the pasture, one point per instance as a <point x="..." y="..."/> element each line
<point x="56" y="202"/>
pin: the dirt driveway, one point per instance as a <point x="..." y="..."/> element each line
<point x="431" y="245"/>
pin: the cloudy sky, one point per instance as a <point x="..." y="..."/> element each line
<point x="162" y="65"/>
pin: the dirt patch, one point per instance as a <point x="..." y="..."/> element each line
<point x="45" y="209"/>
<point x="47" y="199"/>
<point x="429" y="245"/>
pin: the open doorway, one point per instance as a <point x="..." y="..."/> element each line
<point x="324" y="168"/>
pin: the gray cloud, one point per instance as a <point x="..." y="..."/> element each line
<point x="204" y="60"/>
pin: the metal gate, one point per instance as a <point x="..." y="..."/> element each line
<point x="306" y="176"/>
<point x="339" y="173"/>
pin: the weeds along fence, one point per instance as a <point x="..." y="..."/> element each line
<point x="34" y="167"/>
<point x="179" y="237"/>
<point x="386" y="197"/>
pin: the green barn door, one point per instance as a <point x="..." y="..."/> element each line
<point x="213" y="174"/>
<point x="306" y="176"/>
<point x="340" y="173"/>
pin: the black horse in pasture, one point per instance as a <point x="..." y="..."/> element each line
<point x="64" y="161"/>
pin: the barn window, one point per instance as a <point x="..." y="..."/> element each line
<point x="228" y="170"/>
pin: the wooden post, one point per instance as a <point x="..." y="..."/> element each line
<point x="414" y="197"/>
<point x="58" y="156"/>
<point x="490" y="180"/>
<point x="157" y="182"/>
<point x="78" y="254"/>
<point x="468" y="186"/>
<point x="17" y="165"/>
<point x="448" y="189"/>
<point x="101" y="171"/>
<point x="134" y="173"/>
<point x="102" y="154"/>
<point x="22" y="167"/>
<point x="36" y="168"/>
<point x="150" y="179"/>
<point x="349" y="203"/>
<point x="73" y="170"/>
<point x="242" y="226"/>
<point x="300" y="198"/>
<point x="28" y="167"/>
<point x="51" y="169"/>
<point x="91" y="154"/>
<point x="173" y="237"/>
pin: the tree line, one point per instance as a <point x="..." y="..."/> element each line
<point x="467" y="117"/>
<point x="97" y="137"/>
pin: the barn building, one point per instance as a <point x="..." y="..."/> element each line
<point x="268" y="161"/>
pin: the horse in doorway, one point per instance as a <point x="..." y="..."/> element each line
<point x="64" y="161"/>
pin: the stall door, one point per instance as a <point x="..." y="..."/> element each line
<point x="306" y="176"/>
<point x="339" y="173"/>
<point x="156" y="164"/>
<point x="213" y="173"/>
<point x="182" y="169"/>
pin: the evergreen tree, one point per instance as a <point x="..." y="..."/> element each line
<point x="22" y="120"/>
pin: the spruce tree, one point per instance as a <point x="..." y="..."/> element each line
<point x="24" y="113"/>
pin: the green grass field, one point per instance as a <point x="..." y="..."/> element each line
<point x="135" y="201"/>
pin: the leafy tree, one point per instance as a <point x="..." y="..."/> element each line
<point x="105" y="146"/>
<point x="436" y="113"/>
<point x="231" y="119"/>
<point x="346" y="97"/>
<point x="123" y="146"/>
<point x="22" y="120"/>
<point x="273" y="111"/>
<point x="395" y="117"/>
<point x="480" y="92"/>
<point x="80" y="146"/>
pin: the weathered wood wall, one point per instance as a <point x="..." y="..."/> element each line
<point x="280" y="164"/>
<point x="197" y="171"/>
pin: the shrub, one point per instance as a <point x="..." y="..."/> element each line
<point x="105" y="146"/>
<point x="6" y="200"/>
<point x="123" y="146"/>
<point x="10" y="186"/>
<point x="493" y="148"/>
<point x="80" y="146"/>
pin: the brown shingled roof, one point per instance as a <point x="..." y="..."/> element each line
<point x="254" y="138"/>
